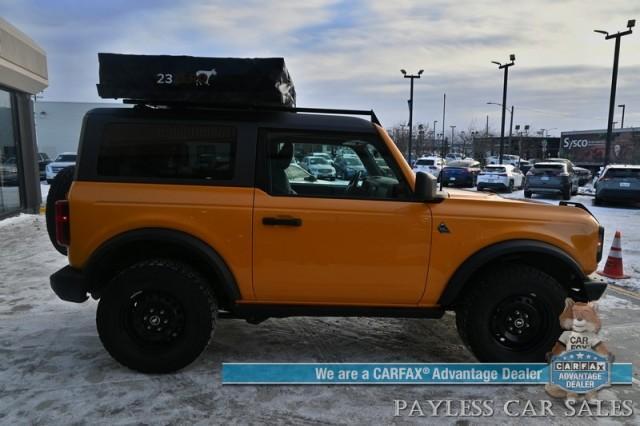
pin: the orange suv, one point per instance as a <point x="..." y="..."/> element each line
<point x="177" y="217"/>
<point x="197" y="208"/>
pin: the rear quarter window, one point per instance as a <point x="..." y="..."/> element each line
<point x="170" y="152"/>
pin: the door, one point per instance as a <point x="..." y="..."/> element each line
<point x="336" y="241"/>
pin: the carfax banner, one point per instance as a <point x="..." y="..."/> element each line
<point x="416" y="374"/>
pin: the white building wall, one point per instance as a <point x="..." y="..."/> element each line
<point x="58" y="124"/>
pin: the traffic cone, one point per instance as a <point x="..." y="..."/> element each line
<point x="613" y="267"/>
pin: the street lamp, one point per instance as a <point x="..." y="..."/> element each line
<point x="623" y="106"/>
<point x="510" y="121"/>
<point x="505" y="67"/>
<point x="411" y="77"/>
<point x="614" y="80"/>
<point x="433" y="148"/>
<point x="452" y="146"/>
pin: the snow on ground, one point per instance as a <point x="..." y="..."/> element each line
<point x="55" y="370"/>
<point x="44" y="190"/>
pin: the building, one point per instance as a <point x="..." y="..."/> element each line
<point x="525" y="146"/>
<point x="586" y="148"/>
<point x="58" y="124"/>
<point x="23" y="73"/>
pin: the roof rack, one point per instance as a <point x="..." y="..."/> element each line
<point x="370" y="113"/>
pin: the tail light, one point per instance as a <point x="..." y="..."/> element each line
<point x="63" y="236"/>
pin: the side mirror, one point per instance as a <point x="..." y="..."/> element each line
<point x="426" y="186"/>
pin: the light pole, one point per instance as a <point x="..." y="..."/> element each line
<point x="510" y="122"/>
<point x="411" y="77"/>
<point x="614" y="81"/>
<point x="623" y="106"/>
<point x="505" y="67"/>
<point x="433" y="148"/>
<point x="444" y="109"/>
<point x="452" y="146"/>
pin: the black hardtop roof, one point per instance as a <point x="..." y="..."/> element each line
<point x="300" y="119"/>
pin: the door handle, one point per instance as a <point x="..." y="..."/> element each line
<point x="281" y="221"/>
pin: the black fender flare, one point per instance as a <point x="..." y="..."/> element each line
<point x="197" y="250"/>
<point x="500" y="250"/>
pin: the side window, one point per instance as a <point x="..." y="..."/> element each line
<point x="331" y="166"/>
<point x="167" y="152"/>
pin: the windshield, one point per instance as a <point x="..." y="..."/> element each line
<point x="318" y="160"/>
<point x="622" y="174"/>
<point x="425" y="162"/>
<point x="66" y="158"/>
<point x="498" y="169"/>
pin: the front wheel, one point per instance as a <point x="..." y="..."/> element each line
<point x="511" y="315"/>
<point x="156" y="316"/>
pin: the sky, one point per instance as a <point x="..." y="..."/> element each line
<point x="348" y="54"/>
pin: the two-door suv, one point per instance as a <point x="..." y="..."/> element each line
<point x="182" y="214"/>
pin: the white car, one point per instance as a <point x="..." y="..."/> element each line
<point x="319" y="167"/>
<point x="506" y="159"/>
<point x="62" y="161"/>
<point x="431" y="165"/>
<point x="500" y="177"/>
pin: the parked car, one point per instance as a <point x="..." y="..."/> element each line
<point x="347" y="165"/>
<point x="430" y="164"/>
<point x="165" y="250"/>
<point x="575" y="179"/>
<point x="8" y="174"/>
<point x="324" y="155"/>
<point x="618" y="183"/>
<point x="506" y="159"/>
<point x="550" y="178"/>
<point x="524" y="166"/>
<point x="452" y="156"/>
<point x="319" y="166"/>
<point x="584" y="175"/>
<point x="504" y="177"/>
<point x="62" y="161"/>
<point x="43" y="160"/>
<point x="460" y="173"/>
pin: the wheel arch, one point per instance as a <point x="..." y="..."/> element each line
<point x="544" y="256"/>
<point x="140" y="244"/>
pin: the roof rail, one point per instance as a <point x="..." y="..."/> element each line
<point x="370" y="113"/>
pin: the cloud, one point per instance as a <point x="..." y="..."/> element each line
<point x="349" y="53"/>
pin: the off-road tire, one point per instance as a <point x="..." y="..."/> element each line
<point x="190" y="319"/>
<point x="477" y="313"/>
<point x="58" y="191"/>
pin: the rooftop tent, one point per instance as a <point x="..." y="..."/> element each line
<point x="163" y="79"/>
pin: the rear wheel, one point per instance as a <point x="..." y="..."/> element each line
<point x="566" y="194"/>
<point x="58" y="191"/>
<point x="511" y="315"/>
<point x="156" y="316"/>
<point x="574" y="191"/>
<point x="527" y="194"/>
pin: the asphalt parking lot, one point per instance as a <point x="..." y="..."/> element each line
<point x="56" y="371"/>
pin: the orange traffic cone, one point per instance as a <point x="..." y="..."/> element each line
<point x="613" y="267"/>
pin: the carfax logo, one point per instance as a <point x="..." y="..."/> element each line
<point x="580" y="371"/>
